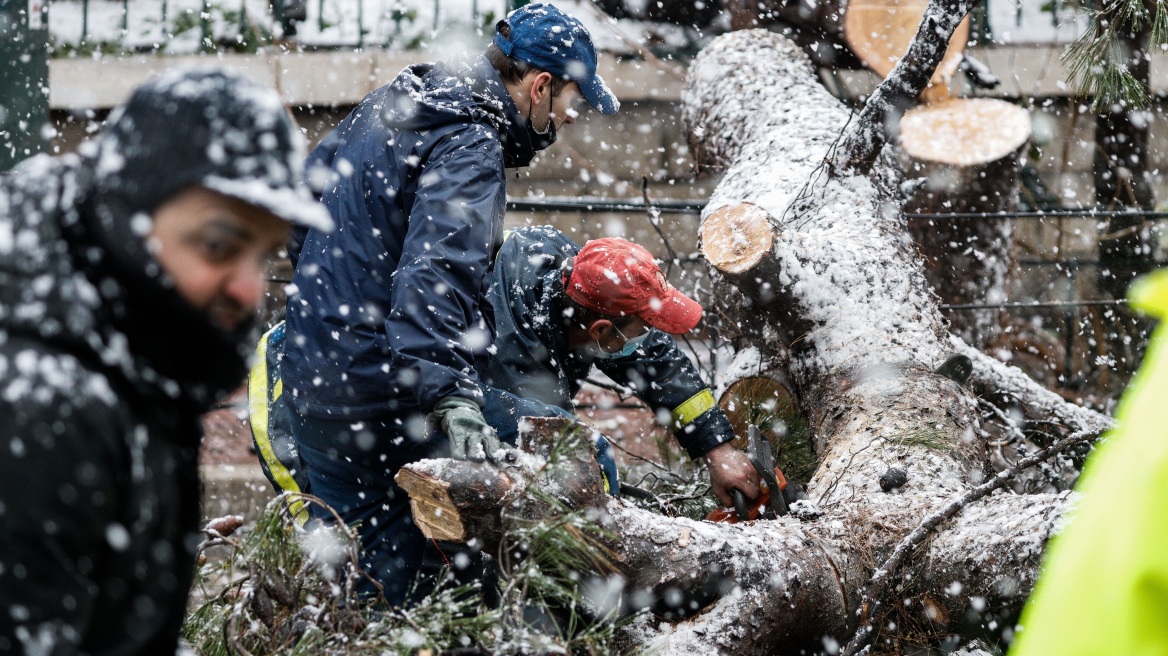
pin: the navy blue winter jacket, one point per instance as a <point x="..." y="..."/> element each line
<point x="388" y="312"/>
<point x="532" y="359"/>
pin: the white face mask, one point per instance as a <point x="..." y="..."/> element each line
<point x="630" y="346"/>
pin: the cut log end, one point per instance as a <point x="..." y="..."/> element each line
<point x="433" y="509"/>
<point x="880" y="31"/>
<point x="758" y="401"/>
<point x="965" y="132"/>
<point x="735" y="238"/>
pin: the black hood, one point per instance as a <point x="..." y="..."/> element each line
<point x="428" y="96"/>
<point x="62" y="285"/>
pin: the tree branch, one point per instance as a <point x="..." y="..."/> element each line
<point x="900" y="90"/>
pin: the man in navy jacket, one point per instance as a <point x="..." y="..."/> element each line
<point x="560" y="309"/>
<point x="387" y="320"/>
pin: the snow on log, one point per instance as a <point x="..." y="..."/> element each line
<point x="837" y="240"/>
<point x="834" y="253"/>
<point x="994" y="377"/>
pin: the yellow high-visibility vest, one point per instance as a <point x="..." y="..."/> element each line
<point x="1103" y="588"/>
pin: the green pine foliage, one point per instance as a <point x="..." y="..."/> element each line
<point x="1098" y="60"/>
<point x="278" y="589"/>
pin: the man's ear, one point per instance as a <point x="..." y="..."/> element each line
<point x="540" y="86"/>
<point x="599" y="329"/>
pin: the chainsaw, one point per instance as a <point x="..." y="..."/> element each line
<point x="775" y="493"/>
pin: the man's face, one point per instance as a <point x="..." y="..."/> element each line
<point x="216" y="249"/>
<point x="567" y="106"/>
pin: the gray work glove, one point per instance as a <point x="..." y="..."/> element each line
<point x="471" y="438"/>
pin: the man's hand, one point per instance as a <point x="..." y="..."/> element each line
<point x="471" y="438"/>
<point x="730" y="469"/>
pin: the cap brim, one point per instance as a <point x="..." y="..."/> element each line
<point x="597" y="93"/>
<point x="296" y="206"/>
<point x="678" y="314"/>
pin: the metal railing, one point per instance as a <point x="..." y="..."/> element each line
<point x="97" y="26"/>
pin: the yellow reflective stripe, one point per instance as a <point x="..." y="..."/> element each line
<point x="257" y="410"/>
<point x="694" y="407"/>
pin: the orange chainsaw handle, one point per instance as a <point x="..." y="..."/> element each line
<point x="754" y="510"/>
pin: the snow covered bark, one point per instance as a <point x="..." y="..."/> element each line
<point x="865" y="329"/>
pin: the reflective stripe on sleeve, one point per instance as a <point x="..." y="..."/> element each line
<point x="694" y="407"/>
<point x="258" y="403"/>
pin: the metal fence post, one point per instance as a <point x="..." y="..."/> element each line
<point x="204" y="27"/>
<point x="84" y="20"/>
<point x="24" y="80"/>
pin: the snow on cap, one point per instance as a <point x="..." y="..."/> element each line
<point x="210" y="127"/>
<point x="549" y="39"/>
<point x="619" y="278"/>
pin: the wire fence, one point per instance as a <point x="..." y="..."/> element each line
<point x="1084" y="346"/>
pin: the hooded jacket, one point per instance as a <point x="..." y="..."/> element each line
<point x="531" y="358"/>
<point x="99" y="422"/>
<point x="387" y="312"/>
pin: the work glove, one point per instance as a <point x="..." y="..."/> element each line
<point x="471" y="438"/>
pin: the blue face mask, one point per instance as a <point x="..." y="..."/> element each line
<point x="630" y="346"/>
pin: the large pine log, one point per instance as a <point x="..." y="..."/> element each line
<point x="824" y="258"/>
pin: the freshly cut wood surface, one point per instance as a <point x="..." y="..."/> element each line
<point x="964" y="132"/>
<point x="879" y="32"/>
<point x="433" y="510"/>
<point x="736" y="237"/>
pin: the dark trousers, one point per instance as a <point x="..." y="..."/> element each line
<point x="351" y="464"/>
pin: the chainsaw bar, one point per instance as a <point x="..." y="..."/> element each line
<point x="759" y="452"/>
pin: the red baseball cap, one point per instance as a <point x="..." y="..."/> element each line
<point x="619" y="278"/>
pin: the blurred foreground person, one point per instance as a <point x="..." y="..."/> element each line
<point x="387" y="319"/>
<point x="1103" y="588"/>
<point x="129" y="280"/>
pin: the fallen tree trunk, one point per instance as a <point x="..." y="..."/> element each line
<point x="831" y="270"/>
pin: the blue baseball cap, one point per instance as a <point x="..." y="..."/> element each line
<point x="550" y="40"/>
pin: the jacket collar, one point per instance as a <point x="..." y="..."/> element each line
<point x="488" y="87"/>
